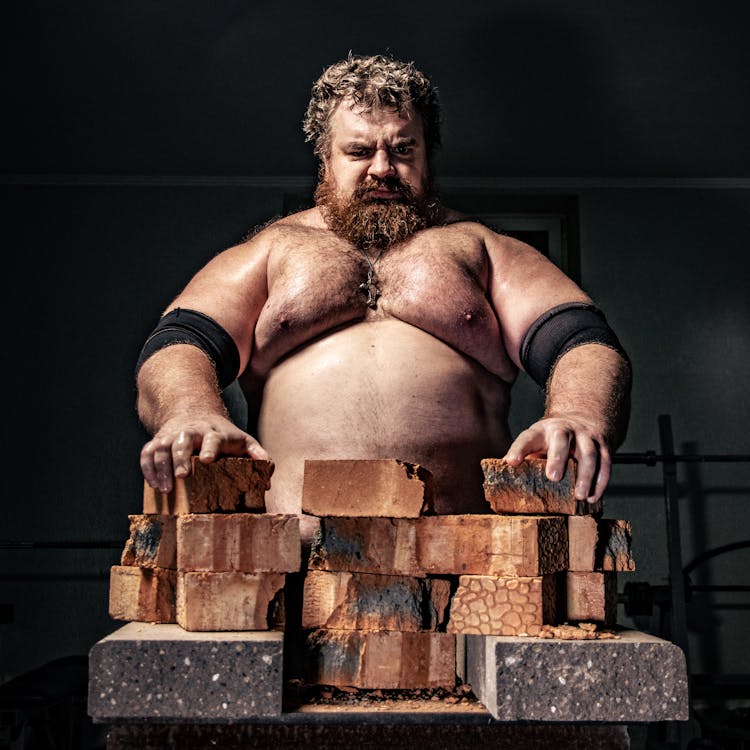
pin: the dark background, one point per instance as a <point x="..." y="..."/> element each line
<point x="141" y="138"/>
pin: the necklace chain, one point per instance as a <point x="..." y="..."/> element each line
<point x="370" y="288"/>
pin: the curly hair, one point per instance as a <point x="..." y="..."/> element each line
<point x="371" y="81"/>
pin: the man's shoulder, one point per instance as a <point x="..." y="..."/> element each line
<point x="280" y="227"/>
<point x="458" y="221"/>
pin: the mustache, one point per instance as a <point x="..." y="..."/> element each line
<point x="393" y="183"/>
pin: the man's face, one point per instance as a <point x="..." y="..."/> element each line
<point x="375" y="187"/>
<point x="371" y="147"/>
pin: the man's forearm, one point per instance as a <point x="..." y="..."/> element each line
<point x="592" y="381"/>
<point x="177" y="380"/>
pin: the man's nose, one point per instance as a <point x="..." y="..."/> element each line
<point x="380" y="166"/>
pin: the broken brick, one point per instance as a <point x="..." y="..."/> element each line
<point x="242" y="542"/>
<point x="376" y="487"/>
<point x="227" y="484"/>
<point x="442" y="545"/>
<point x="493" y="605"/>
<point x="591" y="597"/>
<point x="613" y="551"/>
<point x="152" y="542"/>
<point x="226" y="601"/>
<point x="364" y="601"/>
<point x="386" y="660"/>
<point x="526" y="489"/>
<point x="142" y="594"/>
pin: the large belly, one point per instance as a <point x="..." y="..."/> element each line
<point x="384" y="389"/>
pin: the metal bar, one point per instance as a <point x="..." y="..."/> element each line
<point x="674" y="546"/>
<point x="651" y="458"/>
<point x="714" y="552"/>
<point x="677" y="614"/>
<point x="26" y="545"/>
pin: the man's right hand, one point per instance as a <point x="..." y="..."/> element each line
<point x="167" y="454"/>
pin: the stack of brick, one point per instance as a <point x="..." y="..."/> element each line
<point x="597" y="548"/>
<point x="389" y="583"/>
<point x="206" y="555"/>
<point x="375" y="617"/>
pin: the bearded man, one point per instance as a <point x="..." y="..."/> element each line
<point x="381" y="324"/>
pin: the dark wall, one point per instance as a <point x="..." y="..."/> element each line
<point x="531" y="89"/>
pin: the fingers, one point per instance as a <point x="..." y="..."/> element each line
<point x="559" y="440"/>
<point x="156" y="464"/>
<point x="587" y="458"/>
<point x="605" y="472"/>
<point x="527" y="443"/>
<point x="255" y="450"/>
<point x="169" y="453"/>
<point x="182" y="450"/>
<point x="547" y="440"/>
<point x="558" y="453"/>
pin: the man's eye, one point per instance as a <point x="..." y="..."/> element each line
<point x="358" y="152"/>
<point x="402" y="150"/>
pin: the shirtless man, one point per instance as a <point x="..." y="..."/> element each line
<point x="380" y="324"/>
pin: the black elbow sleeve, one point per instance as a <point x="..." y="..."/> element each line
<point x="192" y="327"/>
<point x="559" y="330"/>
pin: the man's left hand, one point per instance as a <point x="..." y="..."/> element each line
<point x="560" y="438"/>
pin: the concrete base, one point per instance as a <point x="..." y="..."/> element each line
<point x="163" y="673"/>
<point x="638" y="678"/>
<point x="374" y="734"/>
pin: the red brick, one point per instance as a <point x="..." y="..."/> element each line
<point x="492" y="605"/>
<point x="386" y="660"/>
<point x="443" y="545"/>
<point x="378" y="487"/>
<point x="152" y="542"/>
<point x="592" y="597"/>
<point x="242" y="542"/>
<point x="582" y="541"/>
<point x="526" y="489"/>
<point x="364" y="601"/>
<point x="613" y="552"/>
<point x="227" y="484"/>
<point x="142" y="594"/>
<point x="226" y="601"/>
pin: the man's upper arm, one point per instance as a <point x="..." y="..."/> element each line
<point x="231" y="290"/>
<point x="523" y="285"/>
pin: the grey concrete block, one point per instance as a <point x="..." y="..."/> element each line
<point x="639" y="678"/>
<point x="377" y="731"/>
<point x="145" y="672"/>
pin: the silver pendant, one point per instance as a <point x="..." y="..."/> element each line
<point x="371" y="291"/>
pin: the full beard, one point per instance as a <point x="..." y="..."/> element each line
<point x="369" y="222"/>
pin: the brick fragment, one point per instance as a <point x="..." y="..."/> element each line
<point x="613" y="551"/>
<point x="364" y="601"/>
<point x="385" y="660"/>
<point x="498" y="605"/>
<point x="377" y="487"/>
<point x="227" y="484"/>
<point x="226" y="601"/>
<point x="242" y="542"/>
<point x="152" y="542"/>
<point x="582" y="541"/>
<point x="591" y="597"/>
<point x="142" y="594"/>
<point x="442" y="545"/>
<point x="526" y="489"/>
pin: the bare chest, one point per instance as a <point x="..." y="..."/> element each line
<point x="437" y="281"/>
